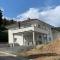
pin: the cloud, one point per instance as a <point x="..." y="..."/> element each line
<point x="31" y="13"/>
<point x="8" y="18"/>
<point x="1" y="9"/>
<point x="51" y="15"/>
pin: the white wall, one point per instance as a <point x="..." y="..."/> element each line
<point x="10" y="37"/>
<point x="19" y="39"/>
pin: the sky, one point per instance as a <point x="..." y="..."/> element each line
<point x="19" y="10"/>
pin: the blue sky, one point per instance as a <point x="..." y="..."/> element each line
<point x="14" y="8"/>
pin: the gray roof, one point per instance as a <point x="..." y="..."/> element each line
<point x="27" y="21"/>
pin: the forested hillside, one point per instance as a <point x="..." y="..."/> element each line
<point x="3" y="30"/>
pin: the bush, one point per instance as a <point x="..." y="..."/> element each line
<point x="3" y="36"/>
<point x="2" y="28"/>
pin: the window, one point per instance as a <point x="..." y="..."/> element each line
<point x="45" y="37"/>
<point x="28" y="25"/>
<point x="49" y="38"/>
<point x="15" y="39"/>
<point x="40" y="36"/>
<point x="39" y="26"/>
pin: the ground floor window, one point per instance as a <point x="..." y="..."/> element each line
<point x="45" y="38"/>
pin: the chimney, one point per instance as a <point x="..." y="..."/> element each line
<point x="19" y="25"/>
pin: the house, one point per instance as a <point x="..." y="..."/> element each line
<point x="31" y="32"/>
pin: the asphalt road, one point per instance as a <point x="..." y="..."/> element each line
<point x="11" y="58"/>
<point x="7" y="56"/>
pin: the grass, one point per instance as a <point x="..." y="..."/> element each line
<point x="49" y="51"/>
<point x="40" y="56"/>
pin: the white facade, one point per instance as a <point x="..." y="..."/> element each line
<point x="30" y="33"/>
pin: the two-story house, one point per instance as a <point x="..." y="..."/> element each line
<point x="30" y="32"/>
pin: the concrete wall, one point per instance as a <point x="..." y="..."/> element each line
<point x="10" y="37"/>
<point x="18" y="39"/>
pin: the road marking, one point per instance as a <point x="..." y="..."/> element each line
<point x="8" y="54"/>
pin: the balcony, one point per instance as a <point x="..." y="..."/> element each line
<point x="31" y="29"/>
<point x="23" y="29"/>
<point x="40" y="30"/>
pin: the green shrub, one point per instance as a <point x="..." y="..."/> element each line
<point x="3" y="36"/>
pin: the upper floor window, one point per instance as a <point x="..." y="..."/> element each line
<point x="39" y="26"/>
<point x="44" y="27"/>
<point x="25" y="26"/>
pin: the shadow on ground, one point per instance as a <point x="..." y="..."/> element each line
<point x="42" y="55"/>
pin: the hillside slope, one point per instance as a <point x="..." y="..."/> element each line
<point x="53" y="47"/>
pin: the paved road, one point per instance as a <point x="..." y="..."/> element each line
<point x="11" y="58"/>
<point x="8" y="56"/>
